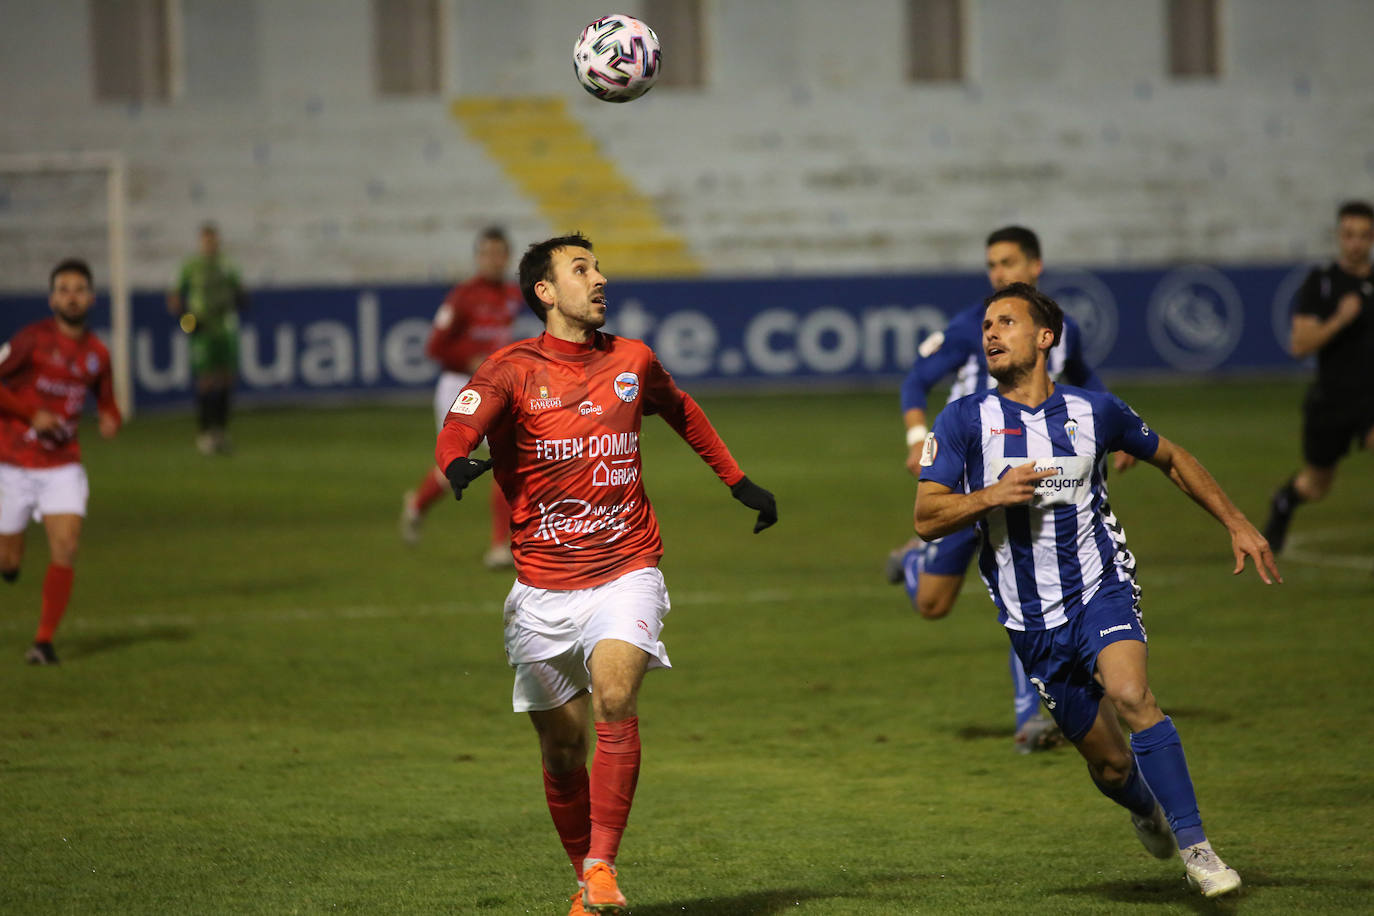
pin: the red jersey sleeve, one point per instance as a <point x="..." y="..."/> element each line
<point x="685" y="416"/>
<point x="14" y="356"/>
<point x="446" y="336"/>
<point x="104" y="394"/>
<point x="481" y="403"/>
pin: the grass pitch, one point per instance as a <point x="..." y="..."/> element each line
<point x="269" y="704"/>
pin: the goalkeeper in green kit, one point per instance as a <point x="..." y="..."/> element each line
<point x="207" y="300"/>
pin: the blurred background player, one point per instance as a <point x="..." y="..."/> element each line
<point x="1026" y="463"/>
<point x="1333" y="320"/>
<point x="933" y="573"/>
<point x="46" y="371"/>
<point x="207" y="300"/>
<point x="472" y="323"/>
<point x="562" y="413"/>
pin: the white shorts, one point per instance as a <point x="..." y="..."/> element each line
<point x="550" y="633"/>
<point x="445" y="393"/>
<point x="28" y="494"/>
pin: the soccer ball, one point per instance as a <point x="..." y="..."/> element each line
<point x="616" y="58"/>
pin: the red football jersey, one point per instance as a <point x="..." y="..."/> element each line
<point x="41" y="367"/>
<point x="474" y="321"/>
<point x="562" y="421"/>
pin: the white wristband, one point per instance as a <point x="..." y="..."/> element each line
<point x="916" y="434"/>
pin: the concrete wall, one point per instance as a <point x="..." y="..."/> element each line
<point x="806" y="153"/>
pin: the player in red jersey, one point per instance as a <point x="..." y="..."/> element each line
<point x="562" y="413"/>
<point x="46" y="371"/>
<point x="471" y="324"/>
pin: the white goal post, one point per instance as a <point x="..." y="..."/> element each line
<point x="111" y="166"/>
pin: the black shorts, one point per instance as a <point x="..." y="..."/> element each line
<point x="1330" y="424"/>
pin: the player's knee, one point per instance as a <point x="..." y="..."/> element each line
<point x="1112" y="771"/>
<point x="1133" y="701"/>
<point x="564" y="751"/>
<point x="933" y="608"/>
<point x="63" y="552"/>
<point x="613" y="703"/>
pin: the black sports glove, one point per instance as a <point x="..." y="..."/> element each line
<point x="463" y="471"/>
<point x="756" y="497"/>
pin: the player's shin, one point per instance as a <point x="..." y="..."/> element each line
<point x="569" y="799"/>
<point x="57" y="590"/>
<point x="1025" y="699"/>
<point x="1159" y="752"/>
<point x="615" y="772"/>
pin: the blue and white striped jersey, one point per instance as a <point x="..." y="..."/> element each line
<point x="1043" y="561"/>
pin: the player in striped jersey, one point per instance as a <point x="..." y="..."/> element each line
<point x="1027" y="463"/>
<point x="933" y="573"/>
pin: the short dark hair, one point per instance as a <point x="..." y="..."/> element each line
<point x="71" y="266"/>
<point x="537" y="264"/>
<point x="1355" y="208"/>
<point x="493" y="234"/>
<point x="1023" y="238"/>
<point x="1044" y="311"/>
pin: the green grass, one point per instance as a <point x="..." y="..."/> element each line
<point x="268" y="704"/>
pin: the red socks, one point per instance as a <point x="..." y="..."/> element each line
<point x="429" y="491"/>
<point x="615" y="770"/>
<point x="57" y="590"/>
<point x="570" y="804"/>
<point x="500" y="517"/>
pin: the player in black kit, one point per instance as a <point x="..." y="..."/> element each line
<point x="1334" y="319"/>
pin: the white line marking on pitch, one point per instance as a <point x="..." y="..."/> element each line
<point x="1301" y="549"/>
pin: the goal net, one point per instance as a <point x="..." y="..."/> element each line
<point x="60" y="205"/>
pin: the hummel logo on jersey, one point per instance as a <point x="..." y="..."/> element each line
<point x="1006" y="432"/>
<point x="1116" y="629"/>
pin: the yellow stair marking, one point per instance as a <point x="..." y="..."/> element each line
<point x="553" y="160"/>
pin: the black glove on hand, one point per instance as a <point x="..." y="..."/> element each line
<point x="756" y="497"/>
<point x="463" y="471"/>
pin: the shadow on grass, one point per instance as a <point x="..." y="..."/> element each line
<point x="1153" y="895"/>
<point x="980" y="732"/>
<point x="755" y="903"/>
<point x="78" y="646"/>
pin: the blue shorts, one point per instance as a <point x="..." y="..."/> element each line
<point x="1060" y="662"/>
<point x="951" y="554"/>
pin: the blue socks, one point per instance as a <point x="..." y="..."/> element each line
<point x="1159" y="756"/>
<point x="1024" y="697"/>
<point x="912" y="561"/>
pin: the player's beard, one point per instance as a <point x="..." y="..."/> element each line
<point x="1012" y="373"/>
<point x="76" y="323"/>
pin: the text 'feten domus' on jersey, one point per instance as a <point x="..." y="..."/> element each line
<point x="598" y="446"/>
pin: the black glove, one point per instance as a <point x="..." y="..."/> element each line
<point x="756" y="497"/>
<point x="463" y="471"/>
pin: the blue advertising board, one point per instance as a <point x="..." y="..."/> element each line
<point x="300" y="343"/>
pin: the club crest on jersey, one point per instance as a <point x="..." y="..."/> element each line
<point x="467" y="402"/>
<point x="1071" y="430"/>
<point x="627" y="386"/>
<point x="932" y="448"/>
